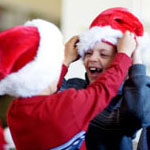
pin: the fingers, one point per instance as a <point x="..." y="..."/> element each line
<point x="127" y="44"/>
<point x="71" y="53"/>
<point x="133" y="43"/>
<point x="137" y="44"/>
<point x="137" y="56"/>
<point x="72" y="42"/>
<point x="74" y="38"/>
<point x="129" y="34"/>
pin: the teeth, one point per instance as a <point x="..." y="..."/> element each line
<point x="99" y="69"/>
<point x="93" y="70"/>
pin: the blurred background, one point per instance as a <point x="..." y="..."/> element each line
<point x="71" y="16"/>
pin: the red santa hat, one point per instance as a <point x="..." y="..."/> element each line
<point x="30" y="58"/>
<point x="110" y="25"/>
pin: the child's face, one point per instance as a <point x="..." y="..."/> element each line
<point x="96" y="60"/>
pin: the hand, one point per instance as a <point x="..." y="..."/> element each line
<point x="71" y="53"/>
<point x="127" y="44"/>
<point x="137" y="57"/>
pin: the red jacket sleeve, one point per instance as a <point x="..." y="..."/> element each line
<point x="64" y="70"/>
<point x="88" y="102"/>
<point x="62" y="115"/>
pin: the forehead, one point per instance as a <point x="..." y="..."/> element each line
<point x="103" y="46"/>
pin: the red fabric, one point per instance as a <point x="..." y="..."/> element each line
<point x="109" y="43"/>
<point x="13" y="54"/>
<point x="83" y="146"/>
<point x="2" y="139"/>
<point x="44" y="122"/>
<point x="120" y="19"/>
<point x="64" y="70"/>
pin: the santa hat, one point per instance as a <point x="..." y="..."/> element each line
<point x="30" y="58"/>
<point x="110" y="25"/>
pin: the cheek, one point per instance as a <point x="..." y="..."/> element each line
<point x="85" y="62"/>
<point x="106" y="63"/>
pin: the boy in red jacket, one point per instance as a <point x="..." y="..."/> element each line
<point x="40" y="118"/>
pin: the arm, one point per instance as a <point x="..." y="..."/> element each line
<point x="71" y="55"/>
<point x="62" y="81"/>
<point x="136" y="104"/>
<point x="129" y="111"/>
<point x="88" y="102"/>
<point x="100" y="92"/>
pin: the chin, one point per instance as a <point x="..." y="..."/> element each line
<point x="92" y="80"/>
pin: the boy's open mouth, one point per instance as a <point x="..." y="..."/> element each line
<point x="95" y="70"/>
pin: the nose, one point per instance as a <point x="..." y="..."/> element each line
<point x="94" y="57"/>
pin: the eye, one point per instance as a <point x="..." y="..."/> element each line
<point x="89" y="52"/>
<point x="104" y="55"/>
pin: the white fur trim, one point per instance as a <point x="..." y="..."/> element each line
<point x="96" y="34"/>
<point x="43" y="70"/>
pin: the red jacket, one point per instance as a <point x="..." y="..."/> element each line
<point x="59" y="121"/>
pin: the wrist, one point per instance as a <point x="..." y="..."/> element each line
<point x="137" y="62"/>
<point x="123" y="52"/>
<point x="66" y="63"/>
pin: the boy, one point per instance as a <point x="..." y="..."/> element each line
<point x="127" y="112"/>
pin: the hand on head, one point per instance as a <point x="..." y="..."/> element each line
<point x="137" y="57"/>
<point x="71" y="53"/>
<point x="127" y="44"/>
